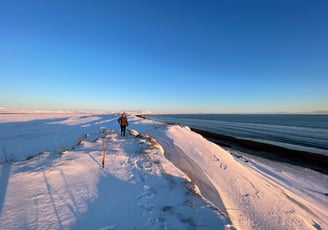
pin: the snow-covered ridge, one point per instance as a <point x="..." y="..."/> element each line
<point x="255" y="196"/>
<point x="71" y="188"/>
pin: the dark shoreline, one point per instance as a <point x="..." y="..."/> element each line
<point x="317" y="162"/>
<point x="305" y="159"/>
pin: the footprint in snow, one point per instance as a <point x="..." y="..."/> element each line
<point x="143" y="199"/>
<point x="223" y="166"/>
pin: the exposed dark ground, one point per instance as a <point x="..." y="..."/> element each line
<point x="305" y="159"/>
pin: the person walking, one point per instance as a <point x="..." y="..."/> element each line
<point x="123" y="121"/>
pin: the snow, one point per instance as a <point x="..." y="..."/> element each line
<point x="156" y="177"/>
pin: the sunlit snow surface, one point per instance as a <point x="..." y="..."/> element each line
<point x="62" y="184"/>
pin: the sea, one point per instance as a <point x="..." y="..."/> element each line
<point x="304" y="132"/>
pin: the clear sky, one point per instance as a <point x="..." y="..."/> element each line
<point x="165" y="55"/>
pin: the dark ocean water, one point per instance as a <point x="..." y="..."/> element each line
<point x="293" y="131"/>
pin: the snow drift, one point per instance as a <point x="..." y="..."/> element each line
<point x="151" y="178"/>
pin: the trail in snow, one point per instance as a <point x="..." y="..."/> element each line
<point x="72" y="191"/>
<point x="138" y="189"/>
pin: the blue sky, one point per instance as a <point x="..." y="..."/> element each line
<point x="165" y="56"/>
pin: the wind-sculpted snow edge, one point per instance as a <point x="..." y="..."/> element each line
<point x="181" y="160"/>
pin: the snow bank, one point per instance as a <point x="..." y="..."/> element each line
<point x="137" y="189"/>
<point x="251" y="198"/>
<point x="65" y="187"/>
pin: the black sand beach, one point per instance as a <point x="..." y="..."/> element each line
<point x="305" y="159"/>
<point x="315" y="161"/>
